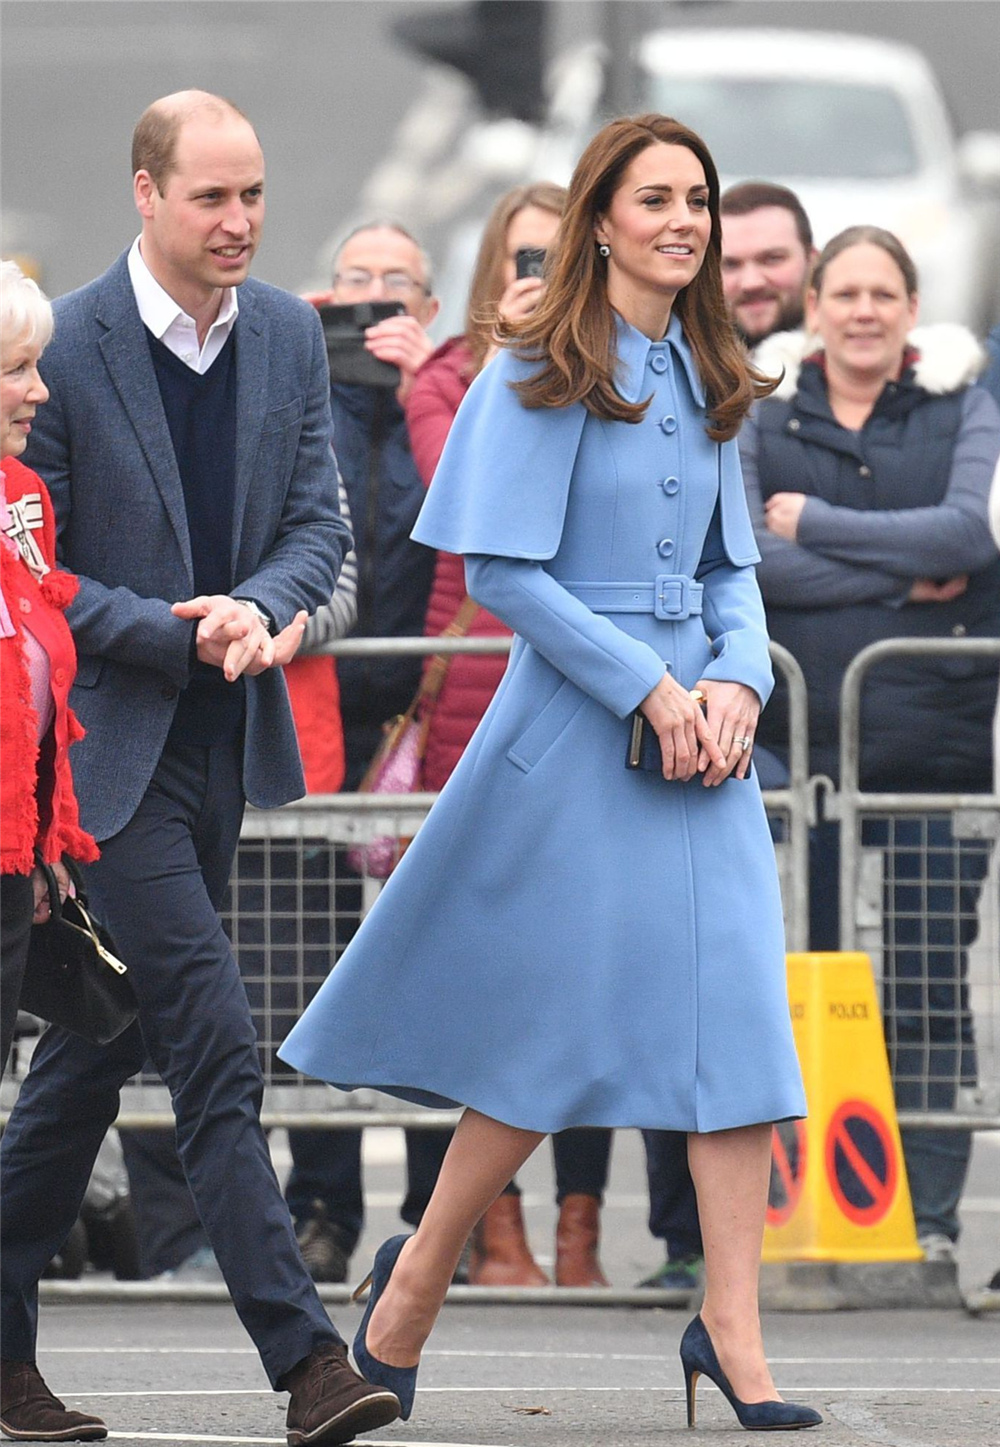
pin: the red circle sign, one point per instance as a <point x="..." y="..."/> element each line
<point x="788" y="1170"/>
<point x="862" y="1162"/>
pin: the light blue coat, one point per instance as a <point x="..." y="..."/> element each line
<point x="566" y="942"/>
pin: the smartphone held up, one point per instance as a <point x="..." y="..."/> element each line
<point x="529" y="261"/>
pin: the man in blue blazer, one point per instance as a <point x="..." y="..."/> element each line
<point x="187" y="446"/>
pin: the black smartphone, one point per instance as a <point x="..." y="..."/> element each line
<point x="529" y="261"/>
<point x="350" y="360"/>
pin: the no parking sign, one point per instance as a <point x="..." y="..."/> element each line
<point x="789" y="1152"/>
<point x="862" y="1162"/>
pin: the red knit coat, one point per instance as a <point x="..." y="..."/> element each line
<point x="38" y="810"/>
<point x="472" y="680"/>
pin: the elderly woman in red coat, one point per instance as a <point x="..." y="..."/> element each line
<point x="39" y="818"/>
<point x="526" y="217"/>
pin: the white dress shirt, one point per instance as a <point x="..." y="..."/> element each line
<point x="171" y="325"/>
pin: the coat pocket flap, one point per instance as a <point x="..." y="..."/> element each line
<point x="88" y="670"/>
<point x="546" y="728"/>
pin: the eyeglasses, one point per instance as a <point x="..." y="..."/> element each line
<point x="394" y="283"/>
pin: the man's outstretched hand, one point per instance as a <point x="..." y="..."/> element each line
<point x="230" y="636"/>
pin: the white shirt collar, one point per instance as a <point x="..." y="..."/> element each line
<point x="160" y="313"/>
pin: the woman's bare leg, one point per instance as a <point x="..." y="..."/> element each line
<point x="731" y="1169"/>
<point x="483" y="1156"/>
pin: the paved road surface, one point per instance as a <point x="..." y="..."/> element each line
<point x="605" y="1378"/>
<point x="512" y="1376"/>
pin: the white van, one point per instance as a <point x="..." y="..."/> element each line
<point x="857" y="127"/>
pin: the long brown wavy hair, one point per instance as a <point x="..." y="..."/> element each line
<point x="488" y="278"/>
<point x="572" y="331"/>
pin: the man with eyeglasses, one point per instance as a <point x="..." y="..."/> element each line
<point x="378" y="262"/>
<point x="382" y="262"/>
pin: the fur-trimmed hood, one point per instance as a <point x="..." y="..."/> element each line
<point x="949" y="358"/>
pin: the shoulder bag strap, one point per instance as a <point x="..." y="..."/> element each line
<point x="437" y="670"/>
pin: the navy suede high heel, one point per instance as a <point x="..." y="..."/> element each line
<point x="698" y="1359"/>
<point x="401" y="1380"/>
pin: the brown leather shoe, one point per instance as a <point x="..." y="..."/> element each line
<point x="30" y="1413"/>
<point x="330" y="1402"/>
<point x="577" y="1235"/>
<point x="500" y="1253"/>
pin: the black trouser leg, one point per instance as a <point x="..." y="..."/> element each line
<point x="673" y="1206"/>
<point x="582" y="1156"/>
<point x="16" y="909"/>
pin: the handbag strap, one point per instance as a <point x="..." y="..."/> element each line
<point x="52" y="884"/>
<point x="437" y="669"/>
<point x="73" y="870"/>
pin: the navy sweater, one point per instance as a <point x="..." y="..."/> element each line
<point x="201" y="415"/>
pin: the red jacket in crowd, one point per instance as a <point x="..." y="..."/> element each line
<point x="472" y="679"/>
<point x="314" y="694"/>
<point x="38" y="809"/>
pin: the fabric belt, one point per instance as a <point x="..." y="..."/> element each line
<point x="671" y="597"/>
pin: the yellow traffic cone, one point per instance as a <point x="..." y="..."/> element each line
<point x="838" y="1183"/>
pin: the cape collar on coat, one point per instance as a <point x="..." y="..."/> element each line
<point x="633" y="351"/>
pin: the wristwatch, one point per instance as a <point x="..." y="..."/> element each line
<point x="256" y="610"/>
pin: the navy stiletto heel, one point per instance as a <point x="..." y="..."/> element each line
<point x="698" y="1359"/>
<point x="401" y="1380"/>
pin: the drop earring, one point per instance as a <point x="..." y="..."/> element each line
<point x="604" y="250"/>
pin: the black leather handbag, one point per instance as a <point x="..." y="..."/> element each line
<point x="73" y="977"/>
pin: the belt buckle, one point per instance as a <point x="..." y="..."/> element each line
<point x="670" y="596"/>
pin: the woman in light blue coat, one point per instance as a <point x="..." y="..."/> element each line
<point x="568" y="942"/>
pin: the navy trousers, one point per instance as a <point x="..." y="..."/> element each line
<point x="157" y="887"/>
<point x="673" y="1205"/>
<point x="16" y="908"/>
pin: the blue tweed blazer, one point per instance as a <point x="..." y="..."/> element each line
<point x="103" y="447"/>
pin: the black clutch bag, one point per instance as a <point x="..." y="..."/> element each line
<point x="73" y="977"/>
<point x="644" y="752"/>
<point x="643" y="746"/>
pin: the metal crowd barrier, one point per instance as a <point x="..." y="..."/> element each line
<point x="919" y="893"/>
<point x="294" y="903"/>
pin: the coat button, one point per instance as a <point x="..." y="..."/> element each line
<point x="669" y="423"/>
<point x="959" y="630"/>
<point x="60" y="675"/>
<point x="670" y="485"/>
<point x="658" y="362"/>
<point x="864" y="471"/>
<point x="169" y="691"/>
<point x="794" y="425"/>
<point x="665" y="547"/>
<point x="25" y="606"/>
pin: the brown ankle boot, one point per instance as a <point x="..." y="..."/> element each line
<point x="577" y="1235"/>
<point x="330" y="1402"/>
<point x="30" y="1413"/>
<point x="501" y="1255"/>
